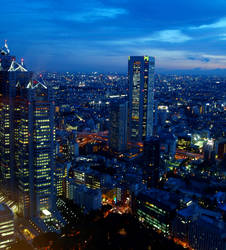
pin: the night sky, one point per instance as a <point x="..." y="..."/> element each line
<point x="90" y="35"/>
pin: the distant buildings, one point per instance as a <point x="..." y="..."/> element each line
<point x="141" y="96"/>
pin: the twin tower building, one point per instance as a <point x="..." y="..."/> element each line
<point x="27" y="136"/>
<point x="27" y="132"/>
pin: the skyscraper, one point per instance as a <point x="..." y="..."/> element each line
<point x="141" y="96"/>
<point x="36" y="148"/>
<point x="27" y="137"/>
<point x="10" y="73"/>
<point x="118" y="126"/>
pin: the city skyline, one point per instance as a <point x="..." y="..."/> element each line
<point x="98" y="36"/>
<point x="113" y="125"/>
<point x="82" y="154"/>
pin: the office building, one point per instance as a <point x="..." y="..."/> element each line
<point x="27" y="149"/>
<point x="118" y="126"/>
<point x="141" y="96"/>
<point x="36" y="149"/>
<point x="155" y="210"/>
<point x="12" y="74"/>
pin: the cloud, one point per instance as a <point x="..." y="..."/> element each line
<point x="198" y="58"/>
<point x="170" y="36"/>
<point x="111" y="30"/>
<point x="166" y="36"/>
<point x="222" y="36"/>
<point x="219" y="58"/>
<point x="96" y="14"/>
<point x="183" y="59"/>
<point x="221" y="23"/>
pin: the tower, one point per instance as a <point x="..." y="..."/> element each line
<point x="36" y="148"/>
<point x="27" y="137"/>
<point x="141" y="96"/>
<point x="12" y="74"/>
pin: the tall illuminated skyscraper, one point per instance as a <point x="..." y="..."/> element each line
<point x="10" y="74"/>
<point x="27" y="137"/>
<point x="141" y="97"/>
<point x="36" y="148"/>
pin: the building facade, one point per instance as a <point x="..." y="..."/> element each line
<point x="36" y="149"/>
<point x="27" y="134"/>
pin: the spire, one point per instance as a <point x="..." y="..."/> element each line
<point x="9" y="62"/>
<point x="35" y="83"/>
<point x="15" y="66"/>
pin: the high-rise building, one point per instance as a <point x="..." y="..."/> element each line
<point x="141" y="96"/>
<point x="36" y="149"/>
<point x="12" y="74"/>
<point x="27" y="134"/>
<point x="118" y="126"/>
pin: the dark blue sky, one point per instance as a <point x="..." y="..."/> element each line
<point x="91" y="35"/>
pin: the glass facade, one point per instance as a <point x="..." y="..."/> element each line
<point x="27" y="137"/>
<point x="36" y="151"/>
<point x="141" y="96"/>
